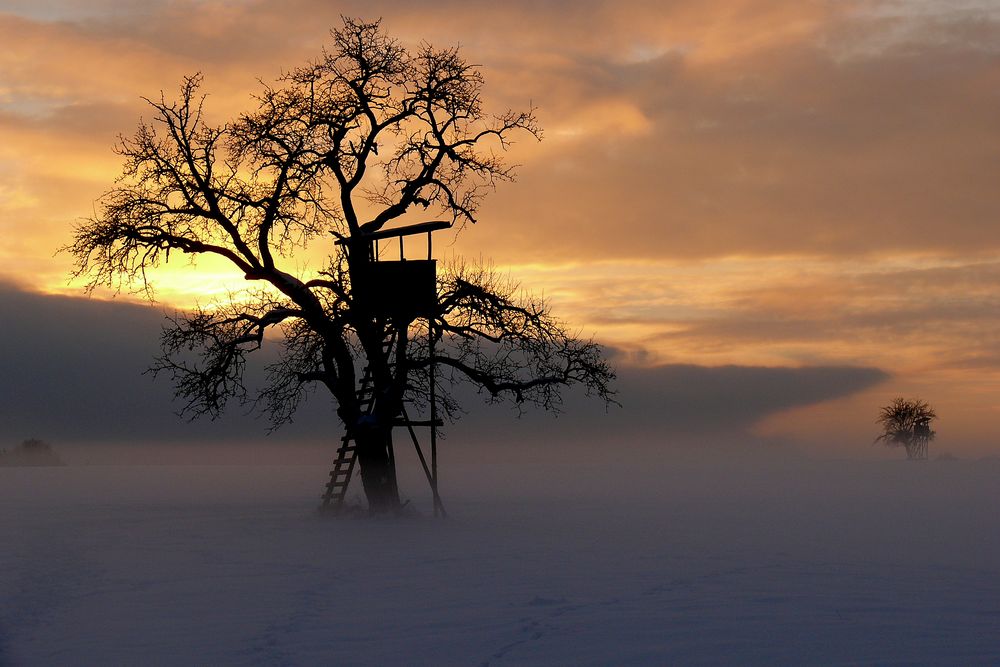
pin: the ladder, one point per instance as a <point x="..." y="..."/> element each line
<point x="347" y="453"/>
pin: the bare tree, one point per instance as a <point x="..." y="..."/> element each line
<point x="363" y="139"/>
<point x="906" y="423"/>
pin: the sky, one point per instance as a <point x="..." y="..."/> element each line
<point x="786" y="207"/>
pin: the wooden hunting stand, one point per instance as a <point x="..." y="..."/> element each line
<point x="399" y="291"/>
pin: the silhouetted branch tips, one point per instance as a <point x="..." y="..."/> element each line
<point x="507" y="342"/>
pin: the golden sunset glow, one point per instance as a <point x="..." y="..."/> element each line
<point x="754" y="183"/>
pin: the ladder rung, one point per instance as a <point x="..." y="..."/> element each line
<point x="417" y="422"/>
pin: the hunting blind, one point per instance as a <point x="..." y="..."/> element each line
<point x="396" y="291"/>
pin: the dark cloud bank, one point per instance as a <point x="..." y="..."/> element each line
<point x="71" y="370"/>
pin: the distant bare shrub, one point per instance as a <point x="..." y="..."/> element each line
<point x="31" y="452"/>
<point x="906" y="423"/>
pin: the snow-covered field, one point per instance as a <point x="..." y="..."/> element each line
<point x="663" y="563"/>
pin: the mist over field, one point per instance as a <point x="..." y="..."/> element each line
<point x="547" y="557"/>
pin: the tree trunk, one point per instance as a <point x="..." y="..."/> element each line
<point x="378" y="469"/>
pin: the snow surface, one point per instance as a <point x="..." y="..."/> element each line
<point x="667" y="563"/>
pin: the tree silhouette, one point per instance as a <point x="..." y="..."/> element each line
<point x="906" y="423"/>
<point x="368" y="137"/>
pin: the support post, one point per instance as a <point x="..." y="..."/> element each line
<point x="438" y="505"/>
<point x="433" y="396"/>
